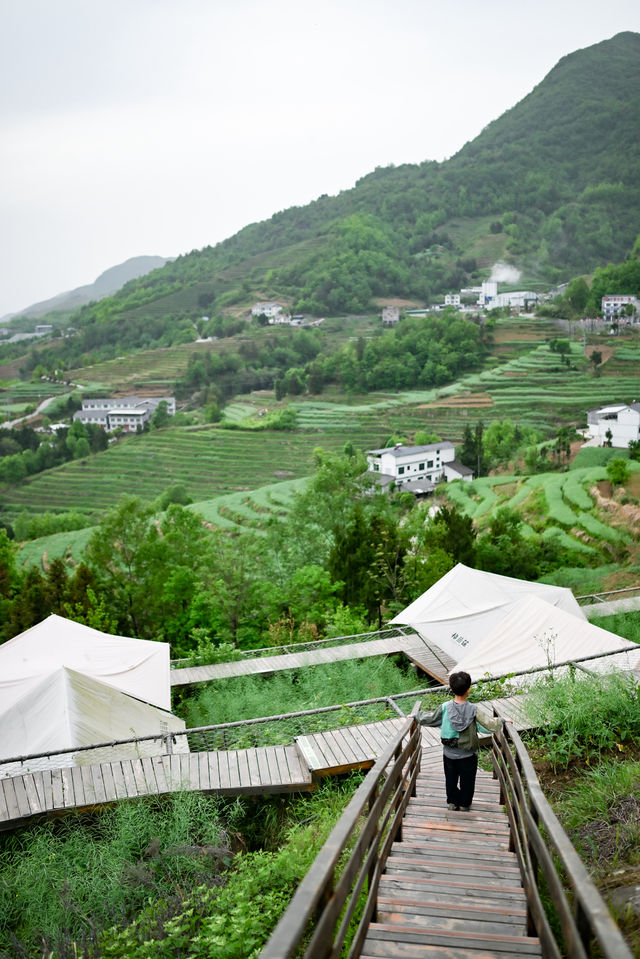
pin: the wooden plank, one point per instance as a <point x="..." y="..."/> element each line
<point x="47" y="789"/>
<point x="234" y="770"/>
<point x="263" y="766"/>
<point x="35" y="806"/>
<point x="161" y="773"/>
<point x="204" y="770"/>
<point x="243" y="769"/>
<point x="254" y="768"/>
<point x="280" y="767"/>
<point x="138" y="777"/>
<point x="78" y="786"/>
<point x="213" y="762"/>
<point x="98" y="783"/>
<point x="119" y="780"/>
<point x="312" y="756"/>
<point x="58" y="789"/>
<point x="21" y="796"/>
<point x="345" y="742"/>
<point x="149" y="775"/>
<point x="524" y="945"/>
<point x="223" y="764"/>
<point x="4" y="809"/>
<point x="11" y="799"/>
<point x="129" y="778"/>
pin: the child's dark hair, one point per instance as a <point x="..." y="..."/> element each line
<point x="459" y="683"/>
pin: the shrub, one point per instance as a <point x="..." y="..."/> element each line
<point x="580" y="717"/>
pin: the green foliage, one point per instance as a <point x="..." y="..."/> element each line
<point x="236" y="919"/>
<point x="247" y="697"/>
<point x="67" y="880"/>
<point x="618" y="471"/>
<point x="582" y="717"/>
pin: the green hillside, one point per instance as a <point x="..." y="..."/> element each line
<point x="552" y="187"/>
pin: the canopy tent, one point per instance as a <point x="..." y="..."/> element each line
<point x="138" y="667"/>
<point x="536" y="634"/>
<point x="459" y="610"/>
<point x="67" y="709"/>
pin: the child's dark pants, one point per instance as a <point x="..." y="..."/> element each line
<point x="460" y="779"/>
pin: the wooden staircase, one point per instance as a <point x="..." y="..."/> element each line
<point x="452" y="888"/>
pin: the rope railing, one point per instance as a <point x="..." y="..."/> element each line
<point x="279" y="730"/>
<point x="266" y="651"/>
<point x="548" y="859"/>
<point x="598" y="597"/>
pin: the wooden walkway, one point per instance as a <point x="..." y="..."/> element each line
<point x="431" y="660"/>
<point x="261" y="770"/>
<point x="451" y="887"/>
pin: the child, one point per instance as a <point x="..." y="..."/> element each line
<point x="459" y="722"/>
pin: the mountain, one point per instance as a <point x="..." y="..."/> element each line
<point x="550" y="188"/>
<point x="106" y="284"/>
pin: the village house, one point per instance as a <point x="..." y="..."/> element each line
<point x="390" y="315"/>
<point x="619" y="420"/>
<point x="129" y="413"/>
<point x="270" y="310"/>
<point x="616" y="308"/>
<point x="416" y="468"/>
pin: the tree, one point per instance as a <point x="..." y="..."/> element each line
<point x="596" y="360"/>
<point x="453" y="533"/>
<point x="618" y="471"/>
<point x="160" y="418"/>
<point x="118" y="553"/>
<point x="471" y="453"/>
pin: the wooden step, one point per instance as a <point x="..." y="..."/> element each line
<point x="440" y="867"/>
<point x="396" y="938"/>
<point x="461" y="919"/>
<point x="457" y="856"/>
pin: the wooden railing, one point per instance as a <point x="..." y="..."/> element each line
<point x="587" y="927"/>
<point x="349" y="865"/>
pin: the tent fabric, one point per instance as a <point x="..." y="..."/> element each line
<point x="139" y="667"/>
<point x="68" y="709"/>
<point x="536" y="634"/>
<point x="465" y="604"/>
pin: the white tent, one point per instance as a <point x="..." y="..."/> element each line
<point x="535" y="634"/>
<point x="138" y="667"/>
<point x="64" y="685"/>
<point x="68" y="709"/>
<point x="461" y="608"/>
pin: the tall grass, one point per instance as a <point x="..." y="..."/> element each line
<point x="63" y="881"/>
<point x="250" y="697"/>
<point x="581" y="717"/>
<point x="235" y="920"/>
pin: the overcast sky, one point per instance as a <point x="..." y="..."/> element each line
<point x="131" y="127"/>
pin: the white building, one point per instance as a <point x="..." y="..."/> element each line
<point x="520" y="300"/>
<point x="417" y="468"/>
<point x="129" y="413"/>
<point x="452" y="299"/>
<point x="390" y="315"/>
<point x="270" y="310"/>
<point x="621" y="420"/>
<point x="614" y="307"/>
<point x="488" y="292"/>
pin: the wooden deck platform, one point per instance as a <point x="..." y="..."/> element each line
<point x="261" y="770"/>
<point x="432" y="661"/>
<point x="451" y="887"/>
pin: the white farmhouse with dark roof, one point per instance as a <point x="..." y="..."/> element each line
<point x="417" y="468"/>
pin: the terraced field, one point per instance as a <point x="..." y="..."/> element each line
<point x="207" y="461"/>
<point x="235" y="511"/>
<point x="563" y="499"/>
